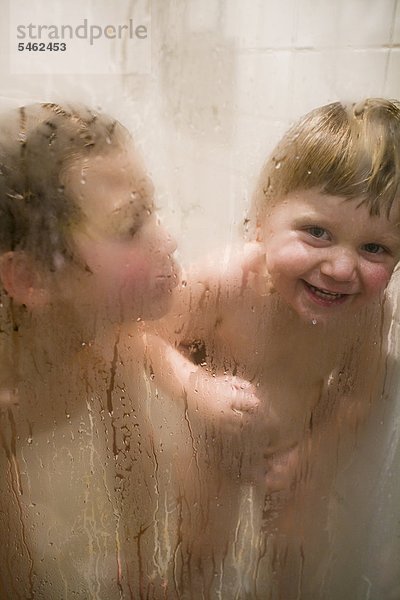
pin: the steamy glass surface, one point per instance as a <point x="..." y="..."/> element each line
<point x="159" y="450"/>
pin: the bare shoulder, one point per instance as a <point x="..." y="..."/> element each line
<point x="227" y="269"/>
<point x="211" y="286"/>
<point x="212" y="301"/>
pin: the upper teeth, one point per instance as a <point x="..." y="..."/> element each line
<point x="323" y="293"/>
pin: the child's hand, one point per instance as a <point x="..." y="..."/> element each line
<point x="228" y="410"/>
<point x="224" y="399"/>
<point x="290" y="467"/>
<point x="225" y="403"/>
<point x="282" y="470"/>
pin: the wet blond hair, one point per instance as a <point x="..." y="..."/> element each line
<point x="352" y="151"/>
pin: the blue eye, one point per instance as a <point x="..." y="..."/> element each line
<point x="318" y="232"/>
<point x="374" y="248"/>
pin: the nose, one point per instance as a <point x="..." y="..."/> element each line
<point x="340" y="264"/>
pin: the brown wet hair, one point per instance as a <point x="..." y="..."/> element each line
<point x="37" y="145"/>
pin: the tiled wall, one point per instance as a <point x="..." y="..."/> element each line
<point x="227" y="78"/>
<point x="232" y="75"/>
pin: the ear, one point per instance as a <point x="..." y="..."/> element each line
<point x="23" y="279"/>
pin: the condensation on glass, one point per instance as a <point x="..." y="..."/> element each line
<point x="158" y="451"/>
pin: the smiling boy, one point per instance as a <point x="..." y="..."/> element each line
<point x="310" y="289"/>
<point x="299" y="316"/>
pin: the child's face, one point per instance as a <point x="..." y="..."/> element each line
<point x="130" y="272"/>
<point x="326" y="254"/>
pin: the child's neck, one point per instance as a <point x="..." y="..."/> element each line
<point x="50" y="343"/>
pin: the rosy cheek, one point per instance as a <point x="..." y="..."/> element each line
<point x="134" y="271"/>
<point x="115" y="269"/>
<point x="378" y="277"/>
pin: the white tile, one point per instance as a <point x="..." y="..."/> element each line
<point x="198" y="85"/>
<point x="255" y="140"/>
<point x="391" y="88"/>
<point x="203" y="16"/>
<point x="396" y="24"/>
<point x="360" y="73"/>
<point x="365" y="23"/>
<point x="264" y="83"/>
<point x="317" y="23"/>
<point x="230" y="22"/>
<point x="313" y="80"/>
<point x="330" y="75"/>
<point x="208" y="211"/>
<point x="344" y="23"/>
<point x="260" y="23"/>
<point x="310" y="23"/>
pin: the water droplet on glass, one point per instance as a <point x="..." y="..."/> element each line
<point x="58" y="260"/>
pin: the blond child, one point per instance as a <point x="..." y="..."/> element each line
<point x="298" y="315"/>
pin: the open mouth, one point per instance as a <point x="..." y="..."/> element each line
<point x="325" y="297"/>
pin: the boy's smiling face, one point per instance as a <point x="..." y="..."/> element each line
<point x="326" y="254"/>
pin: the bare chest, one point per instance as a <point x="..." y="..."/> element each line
<point x="289" y="372"/>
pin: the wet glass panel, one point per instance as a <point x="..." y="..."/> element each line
<point x="225" y="427"/>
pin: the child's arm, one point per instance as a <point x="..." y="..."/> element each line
<point x="224" y="398"/>
<point x="205" y="295"/>
<point x="177" y="345"/>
